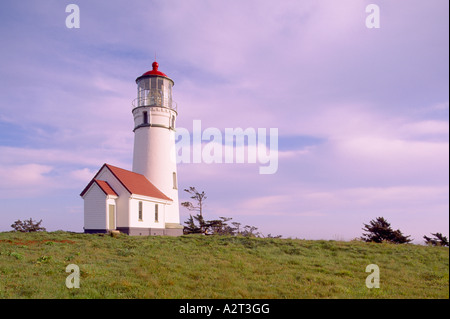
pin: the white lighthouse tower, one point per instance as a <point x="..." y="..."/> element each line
<point x="155" y="115"/>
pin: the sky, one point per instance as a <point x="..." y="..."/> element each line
<point x="362" y="113"/>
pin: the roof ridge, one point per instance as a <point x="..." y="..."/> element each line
<point x="136" y="186"/>
<point x="133" y="182"/>
<point x="107" y="189"/>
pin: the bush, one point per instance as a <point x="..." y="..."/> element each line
<point x="438" y="240"/>
<point x="27" y="226"/>
<point x="380" y="230"/>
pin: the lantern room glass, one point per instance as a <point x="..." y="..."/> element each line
<point x="155" y="91"/>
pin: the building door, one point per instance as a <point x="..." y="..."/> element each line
<point x="112" y="219"/>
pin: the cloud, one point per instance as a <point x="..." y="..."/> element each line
<point x="89" y="157"/>
<point x="426" y="128"/>
<point x="306" y="212"/>
<point x="393" y="151"/>
<point x="301" y="201"/>
<point x="26" y="172"/>
<point x="24" y="180"/>
<point x="84" y="175"/>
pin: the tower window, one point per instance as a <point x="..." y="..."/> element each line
<point x="174" y="176"/>
<point x="156" y="213"/>
<point x="173" y="122"/>
<point x="140" y="211"/>
<point x="145" y="117"/>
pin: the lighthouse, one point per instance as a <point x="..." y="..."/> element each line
<point x="155" y="114"/>
<point x="143" y="201"/>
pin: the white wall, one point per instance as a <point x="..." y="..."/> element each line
<point x="148" y="214"/>
<point x="95" y="216"/>
<point x="154" y="155"/>
<point x="122" y="203"/>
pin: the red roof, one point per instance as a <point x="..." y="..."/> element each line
<point x="106" y="188"/>
<point x="154" y="71"/>
<point x="133" y="182"/>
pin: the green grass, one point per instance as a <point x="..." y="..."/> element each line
<point x="33" y="266"/>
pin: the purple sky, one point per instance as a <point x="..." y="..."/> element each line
<point x="362" y="114"/>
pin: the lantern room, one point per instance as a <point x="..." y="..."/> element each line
<point x="154" y="89"/>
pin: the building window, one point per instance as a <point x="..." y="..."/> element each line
<point x="156" y="213"/>
<point x="174" y="176"/>
<point x="172" y="122"/>
<point x="140" y="211"/>
<point x="145" y="117"/>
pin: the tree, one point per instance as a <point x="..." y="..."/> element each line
<point x="190" y="227"/>
<point x="237" y="227"/>
<point x="220" y="226"/>
<point x="438" y="240"/>
<point x="249" y="231"/>
<point x="27" y="226"/>
<point x="196" y="224"/>
<point x="198" y="197"/>
<point x="379" y="230"/>
<point x="207" y="227"/>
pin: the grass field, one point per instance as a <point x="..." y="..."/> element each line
<point x="33" y="265"/>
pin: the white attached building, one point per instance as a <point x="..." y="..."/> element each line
<point x="117" y="199"/>
<point x="143" y="201"/>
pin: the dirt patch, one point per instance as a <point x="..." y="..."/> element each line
<point x="35" y="242"/>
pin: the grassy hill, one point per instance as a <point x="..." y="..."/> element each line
<point x="32" y="265"/>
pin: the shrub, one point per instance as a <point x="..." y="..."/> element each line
<point x="16" y="255"/>
<point x="27" y="226"/>
<point x="438" y="240"/>
<point x="380" y="230"/>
